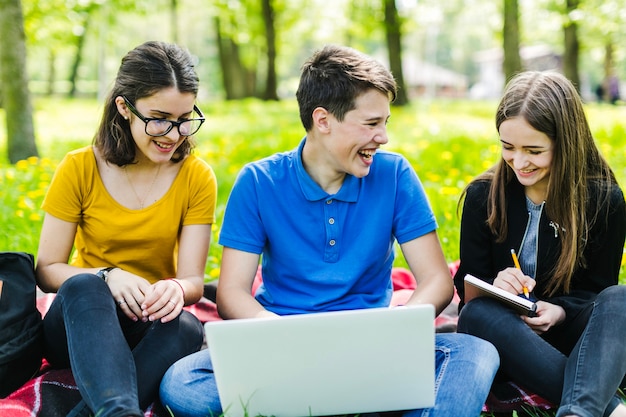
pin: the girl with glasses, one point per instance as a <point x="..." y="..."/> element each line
<point x="133" y="214"/>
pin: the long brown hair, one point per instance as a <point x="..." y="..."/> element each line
<point x="550" y="104"/>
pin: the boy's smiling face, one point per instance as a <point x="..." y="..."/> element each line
<point x="352" y="143"/>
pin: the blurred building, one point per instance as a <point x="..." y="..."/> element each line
<point x="490" y="82"/>
<point x="428" y="80"/>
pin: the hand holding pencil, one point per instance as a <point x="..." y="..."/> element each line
<point x="517" y="265"/>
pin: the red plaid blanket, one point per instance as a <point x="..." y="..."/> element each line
<point x="53" y="393"/>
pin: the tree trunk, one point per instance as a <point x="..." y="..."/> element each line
<point x="80" y="42"/>
<point x="174" y="19"/>
<point x="394" y="46"/>
<point x="609" y="58"/>
<point x="51" y="72"/>
<point x="14" y="81"/>
<point x="234" y="77"/>
<point x="221" y="53"/>
<point x="271" y="84"/>
<point x="512" y="62"/>
<point x="572" y="46"/>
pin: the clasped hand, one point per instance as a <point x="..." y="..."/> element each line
<point x="140" y="300"/>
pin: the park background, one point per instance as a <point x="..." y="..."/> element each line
<point x="58" y="59"/>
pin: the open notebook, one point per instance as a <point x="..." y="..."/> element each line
<point x="343" y="362"/>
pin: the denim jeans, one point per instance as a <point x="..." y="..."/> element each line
<point x="117" y="363"/>
<point x="465" y="367"/>
<point x="579" y="366"/>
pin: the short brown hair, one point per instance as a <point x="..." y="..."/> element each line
<point x="334" y="77"/>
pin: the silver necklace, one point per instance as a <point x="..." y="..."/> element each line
<point x="132" y="187"/>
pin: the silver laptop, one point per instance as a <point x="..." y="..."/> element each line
<point x="345" y="362"/>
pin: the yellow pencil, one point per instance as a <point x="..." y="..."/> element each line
<point x="516" y="262"/>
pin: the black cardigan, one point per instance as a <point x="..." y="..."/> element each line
<point x="482" y="257"/>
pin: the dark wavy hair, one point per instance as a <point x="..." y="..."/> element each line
<point x="334" y="77"/>
<point x="147" y="69"/>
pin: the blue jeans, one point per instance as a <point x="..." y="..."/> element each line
<point x="579" y="365"/>
<point x="465" y="367"/>
<point x="117" y="363"/>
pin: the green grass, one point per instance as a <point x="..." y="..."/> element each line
<point x="448" y="143"/>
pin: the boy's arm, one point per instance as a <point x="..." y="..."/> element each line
<point x="427" y="263"/>
<point x="234" y="290"/>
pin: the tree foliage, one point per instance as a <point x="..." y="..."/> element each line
<point x="252" y="48"/>
<point x="602" y="28"/>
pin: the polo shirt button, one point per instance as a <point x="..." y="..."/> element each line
<point x="331" y="221"/>
<point x="329" y="201"/>
<point x="332" y="242"/>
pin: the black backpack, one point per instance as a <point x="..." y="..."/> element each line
<point x="21" y="332"/>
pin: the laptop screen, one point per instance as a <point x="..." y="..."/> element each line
<point x="343" y="362"/>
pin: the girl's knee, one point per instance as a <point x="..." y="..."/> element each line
<point x="480" y="348"/>
<point x="78" y="283"/>
<point x="474" y="312"/>
<point x="612" y="300"/>
<point x="615" y="293"/>
<point x="191" y="329"/>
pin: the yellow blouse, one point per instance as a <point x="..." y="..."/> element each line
<point x="144" y="241"/>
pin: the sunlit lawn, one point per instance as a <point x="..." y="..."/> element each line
<point x="448" y="142"/>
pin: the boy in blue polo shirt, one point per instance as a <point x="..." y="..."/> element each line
<point x="323" y="219"/>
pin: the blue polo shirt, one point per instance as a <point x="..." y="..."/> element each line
<point x="323" y="252"/>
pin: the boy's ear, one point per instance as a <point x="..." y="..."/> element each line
<point x="321" y="120"/>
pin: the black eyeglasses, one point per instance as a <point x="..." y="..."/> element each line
<point x="161" y="127"/>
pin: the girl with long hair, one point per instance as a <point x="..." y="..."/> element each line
<point x="554" y="200"/>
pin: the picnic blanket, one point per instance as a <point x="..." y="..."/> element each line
<point x="53" y="392"/>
